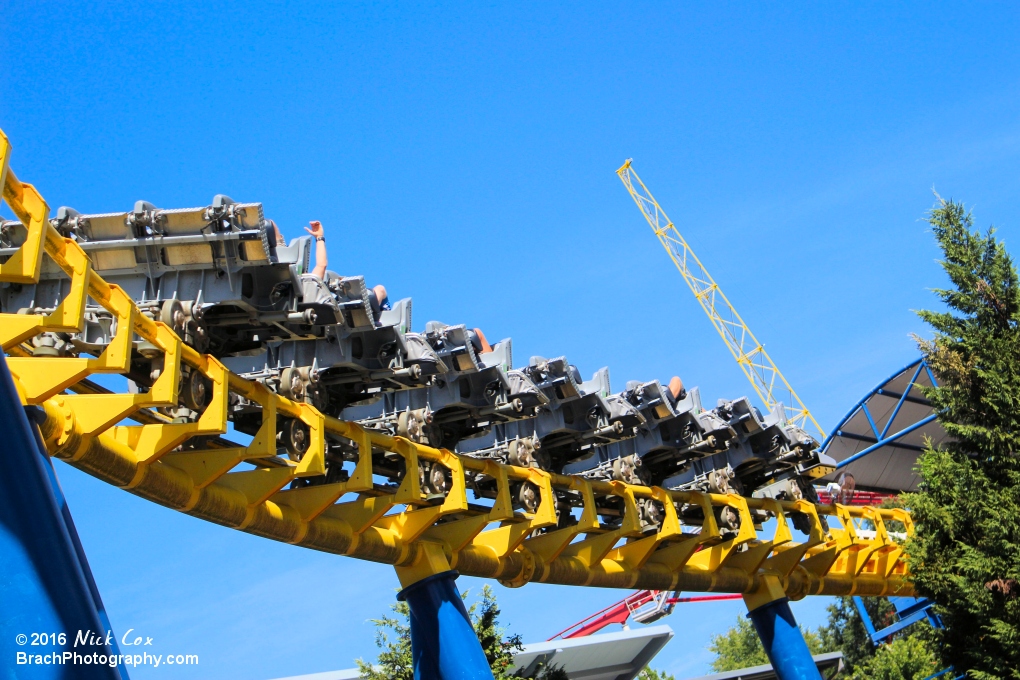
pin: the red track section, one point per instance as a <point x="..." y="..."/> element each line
<point x="621" y="611"/>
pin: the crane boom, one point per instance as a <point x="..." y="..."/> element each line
<point x="765" y="376"/>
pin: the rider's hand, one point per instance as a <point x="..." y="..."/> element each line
<point x="316" y="229"/>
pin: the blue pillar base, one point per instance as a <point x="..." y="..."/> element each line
<point x="45" y="585"/>
<point x="443" y="641"/>
<point x="783" y="641"/>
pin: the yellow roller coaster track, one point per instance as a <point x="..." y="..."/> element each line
<point x="250" y="488"/>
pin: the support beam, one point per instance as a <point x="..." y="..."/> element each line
<point x="769" y="611"/>
<point x="871" y="440"/>
<point x="783" y="641"/>
<point x="44" y="586"/>
<point x="887" y="440"/>
<point x="443" y="641"/>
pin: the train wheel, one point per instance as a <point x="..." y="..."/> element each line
<point x="194" y="391"/>
<point x="172" y="314"/>
<point x="296" y="438"/>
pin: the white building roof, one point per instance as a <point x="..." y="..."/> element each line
<point x="349" y="674"/>
<point x="610" y="656"/>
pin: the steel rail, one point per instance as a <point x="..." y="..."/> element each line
<point x="397" y="525"/>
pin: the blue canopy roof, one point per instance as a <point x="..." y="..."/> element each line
<point x="880" y="438"/>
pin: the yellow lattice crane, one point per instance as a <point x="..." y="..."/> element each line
<point x="759" y="368"/>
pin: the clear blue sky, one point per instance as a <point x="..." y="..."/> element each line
<point x="463" y="154"/>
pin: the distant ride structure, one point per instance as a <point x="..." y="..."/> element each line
<point x="768" y="381"/>
<point x="879" y="440"/>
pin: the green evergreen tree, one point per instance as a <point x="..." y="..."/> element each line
<point x="393" y="638"/>
<point x="965" y="553"/>
<point x="498" y="650"/>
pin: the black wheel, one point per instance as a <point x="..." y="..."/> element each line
<point x="296" y="438"/>
<point x="195" y="390"/>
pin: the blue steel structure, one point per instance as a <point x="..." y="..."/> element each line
<point x="942" y="673"/>
<point x="884" y="437"/>
<point x="892" y="420"/>
<point x="784" y="644"/>
<point x="46" y="585"/>
<point x="443" y="642"/>
<point x="909" y="610"/>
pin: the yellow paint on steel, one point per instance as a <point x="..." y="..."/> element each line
<point x="768" y="381"/>
<point x="402" y="527"/>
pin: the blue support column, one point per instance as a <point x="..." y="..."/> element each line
<point x="783" y="641"/>
<point x="443" y="641"/>
<point x="72" y="532"/>
<point x="44" y="587"/>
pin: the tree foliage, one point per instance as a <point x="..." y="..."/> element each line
<point x="740" y="647"/>
<point x="911" y="656"/>
<point x="905" y="658"/>
<point x="649" y="674"/>
<point x="845" y="630"/>
<point x="965" y="553"/>
<point x="499" y="651"/>
<point x="393" y="638"/>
